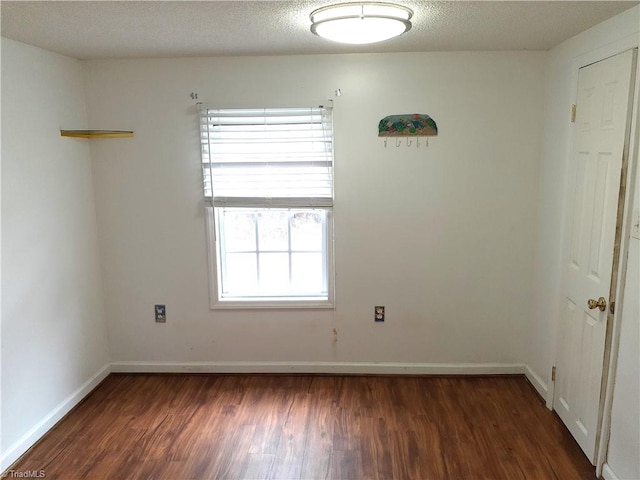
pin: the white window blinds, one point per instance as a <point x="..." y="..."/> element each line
<point x="267" y="157"/>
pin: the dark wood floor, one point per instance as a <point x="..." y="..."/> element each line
<point x="309" y="427"/>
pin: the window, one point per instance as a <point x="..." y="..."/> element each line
<point x="268" y="183"/>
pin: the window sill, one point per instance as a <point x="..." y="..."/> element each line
<point x="266" y="304"/>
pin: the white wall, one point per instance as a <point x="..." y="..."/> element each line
<point x="608" y="38"/>
<point x="54" y="344"/>
<point x="442" y="236"/>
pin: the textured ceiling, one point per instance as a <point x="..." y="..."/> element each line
<point x="127" y="29"/>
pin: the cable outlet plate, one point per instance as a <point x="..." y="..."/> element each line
<point x="379" y="313"/>
<point x="161" y="313"/>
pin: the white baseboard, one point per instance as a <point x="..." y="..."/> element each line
<point x="320" y="367"/>
<point x="537" y="382"/>
<point x="609" y="474"/>
<point x="16" y="450"/>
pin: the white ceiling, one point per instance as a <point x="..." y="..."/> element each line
<point x="128" y="29"/>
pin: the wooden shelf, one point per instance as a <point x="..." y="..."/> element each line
<point x="96" y="133"/>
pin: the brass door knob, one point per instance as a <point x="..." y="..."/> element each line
<point x="601" y="303"/>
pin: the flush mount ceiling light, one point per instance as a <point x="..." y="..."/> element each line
<point x="360" y="23"/>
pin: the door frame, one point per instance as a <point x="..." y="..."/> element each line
<point x="612" y="340"/>
<point x="625" y="221"/>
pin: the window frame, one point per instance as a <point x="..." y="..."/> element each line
<point x="217" y="300"/>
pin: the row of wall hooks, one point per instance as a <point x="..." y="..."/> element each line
<point x="409" y="142"/>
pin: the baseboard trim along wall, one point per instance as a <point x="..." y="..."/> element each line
<point x="15" y="451"/>
<point x="321" y="367"/>
<point x="537" y="382"/>
<point x="609" y="474"/>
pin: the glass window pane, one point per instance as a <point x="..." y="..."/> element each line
<point x="274" y="273"/>
<point x="241" y="274"/>
<point x="306" y="230"/>
<point x="253" y="268"/>
<point x="306" y="272"/>
<point x="239" y="230"/>
<point x="273" y="230"/>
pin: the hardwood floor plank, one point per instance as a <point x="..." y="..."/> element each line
<point x="257" y="465"/>
<point x="290" y="451"/>
<point x="426" y="438"/>
<point x="346" y="464"/>
<point x="277" y="427"/>
<point x="319" y="437"/>
<point x="346" y="429"/>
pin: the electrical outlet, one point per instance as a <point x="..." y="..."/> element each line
<point x="379" y="314"/>
<point x="161" y="313"/>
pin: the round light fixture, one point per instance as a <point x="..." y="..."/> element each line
<point x="360" y="23"/>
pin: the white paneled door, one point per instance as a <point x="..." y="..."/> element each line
<point x="600" y="141"/>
